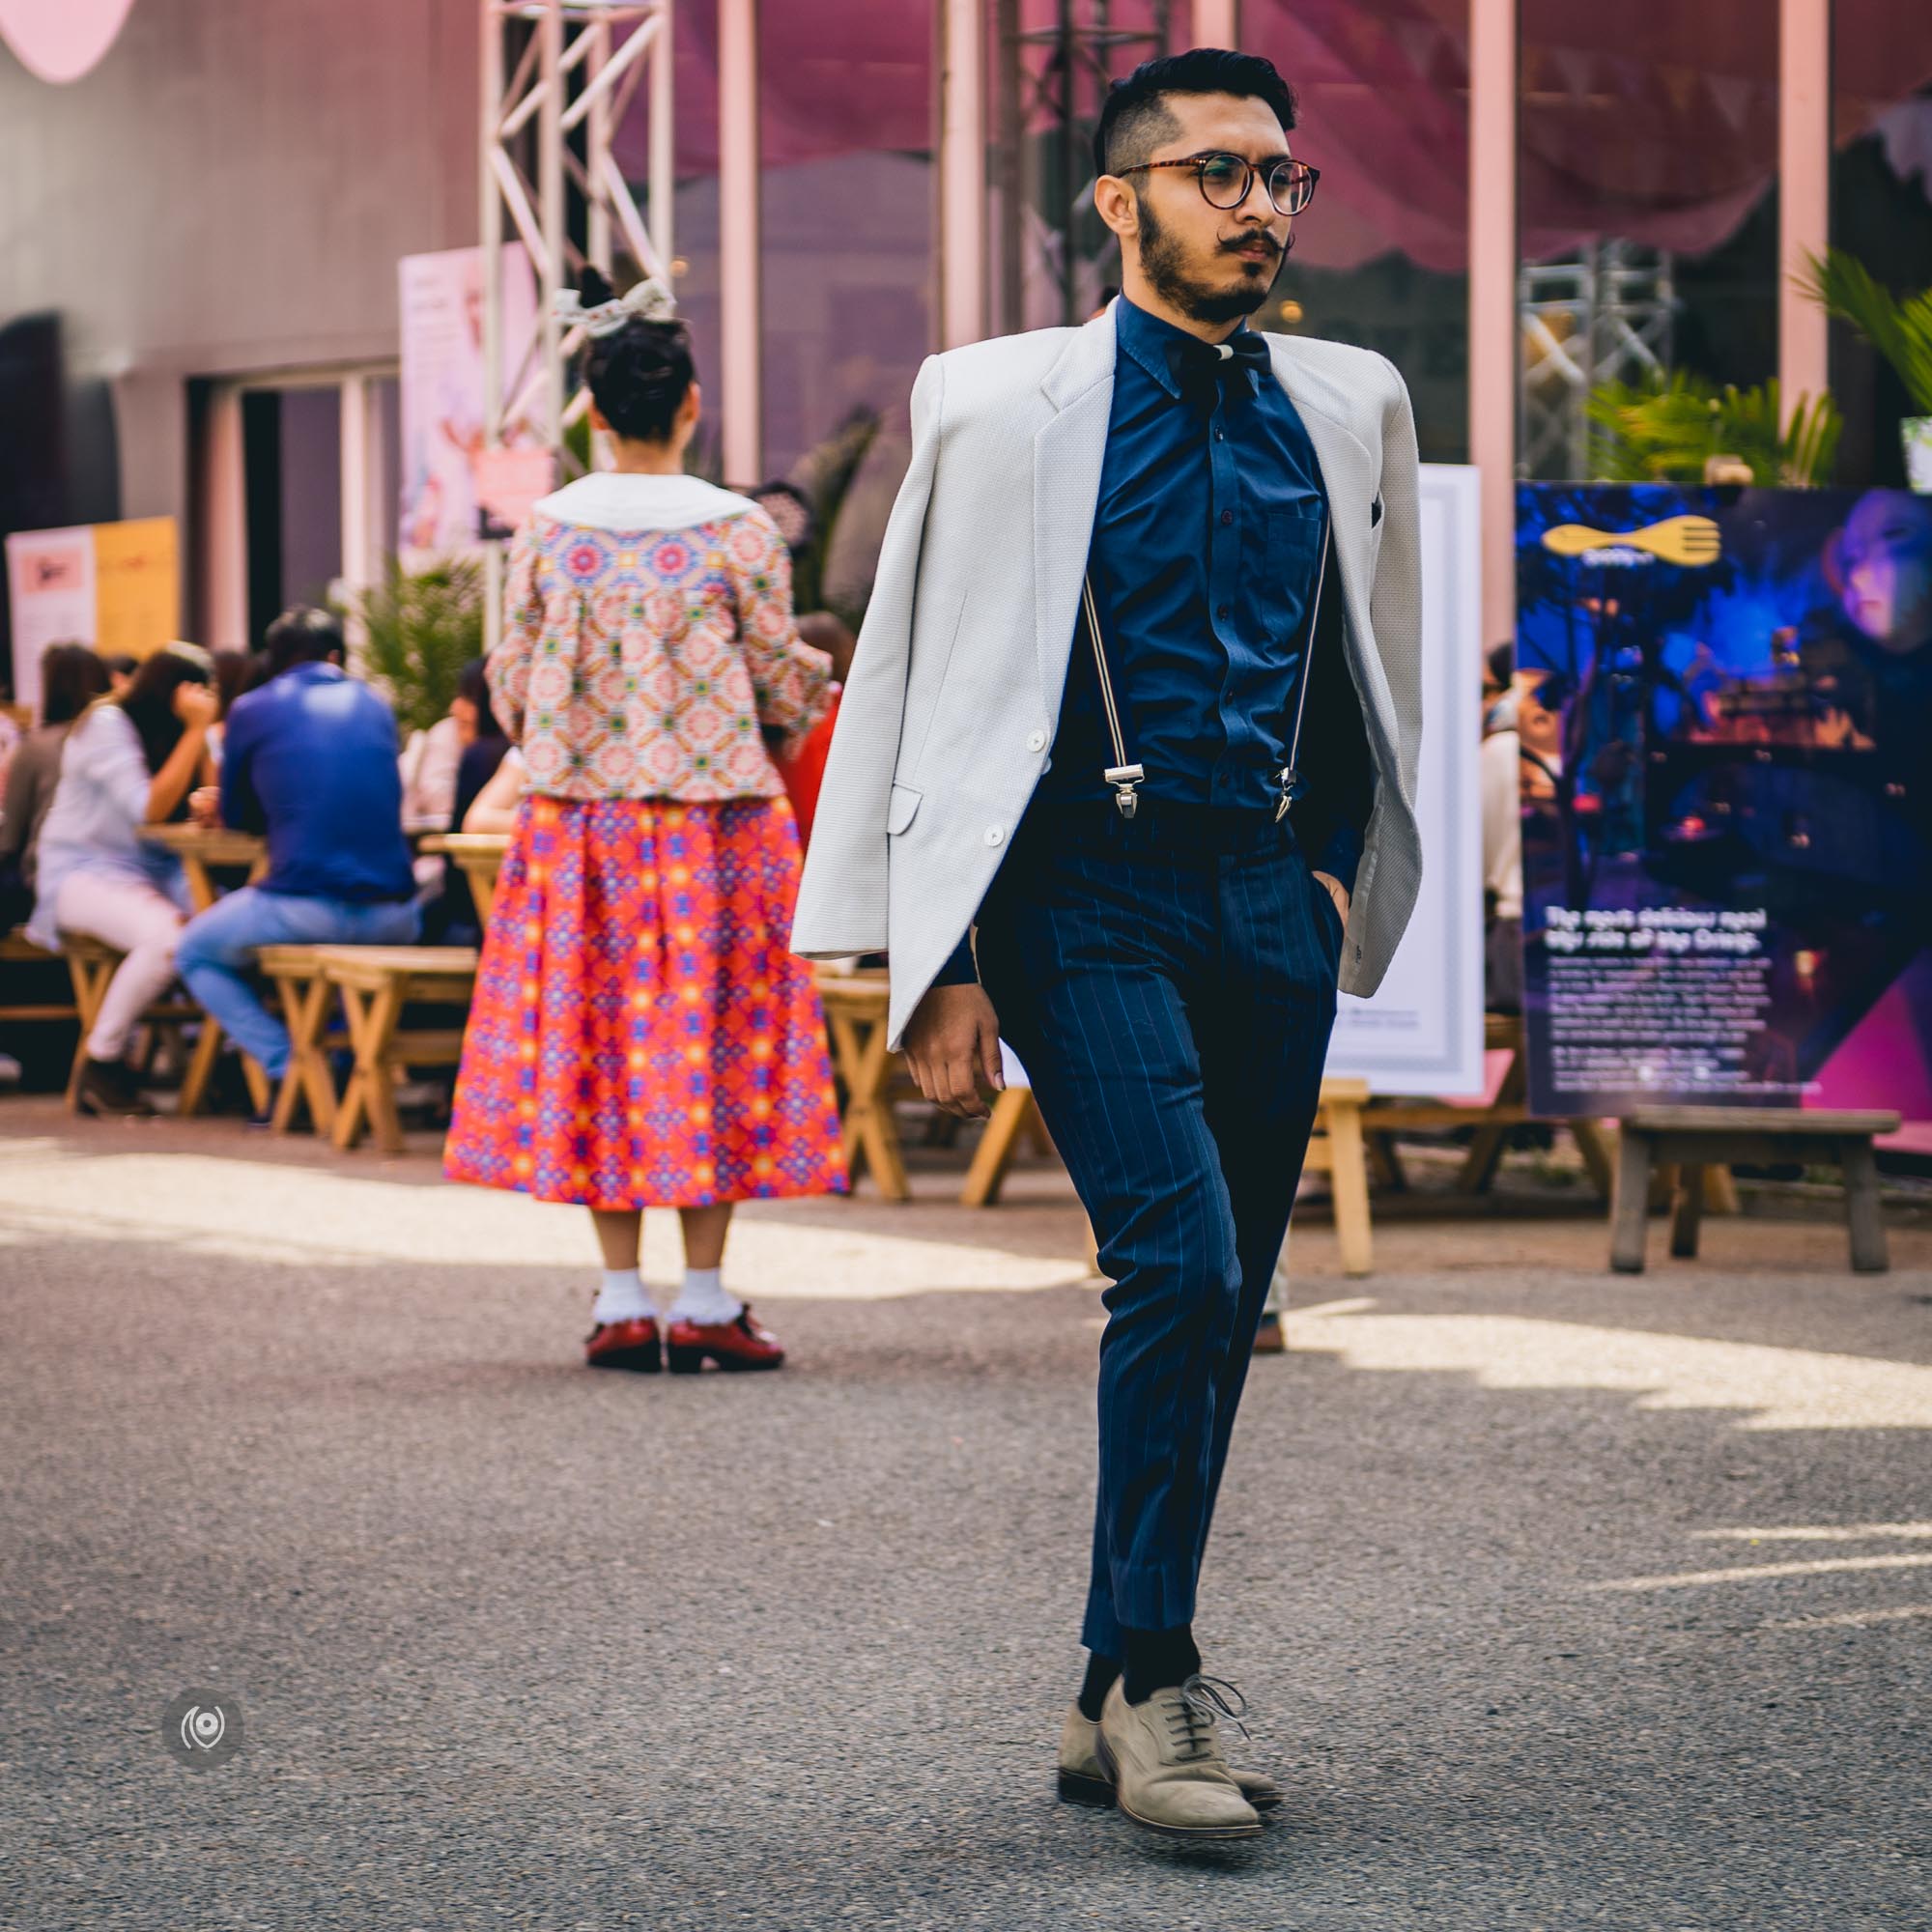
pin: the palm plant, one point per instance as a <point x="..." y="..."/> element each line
<point x="1665" y="430"/>
<point x="421" y="627"/>
<point x="1898" y="327"/>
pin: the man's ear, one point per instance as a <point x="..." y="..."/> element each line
<point x="1114" y="200"/>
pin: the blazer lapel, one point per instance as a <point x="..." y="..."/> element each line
<point x="1346" y="475"/>
<point x="1067" y="455"/>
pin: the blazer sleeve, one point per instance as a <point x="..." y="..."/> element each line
<point x="508" y="671"/>
<point x="842" y="898"/>
<point x="1395" y="603"/>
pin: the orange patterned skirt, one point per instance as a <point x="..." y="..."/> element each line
<point x="642" y="1035"/>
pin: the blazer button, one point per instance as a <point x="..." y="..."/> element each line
<point x="994" y="836"/>
<point x="1035" y="741"/>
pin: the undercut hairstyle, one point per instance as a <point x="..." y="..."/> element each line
<point x="640" y="374"/>
<point x="71" y="677"/>
<point x="303" y="634"/>
<point x="1136" y="118"/>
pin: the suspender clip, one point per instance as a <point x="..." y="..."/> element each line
<point x="1124" y="778"/>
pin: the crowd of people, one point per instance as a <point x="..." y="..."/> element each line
<point x="649" y="735"/>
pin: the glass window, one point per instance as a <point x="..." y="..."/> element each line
<point x="1050" y="63"/>
<point x="1881" y="207"/>
<point x="1381" y="256"/>
<point x="1647" y="167"/>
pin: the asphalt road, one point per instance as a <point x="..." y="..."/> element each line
<point x="1563" y="1599"/>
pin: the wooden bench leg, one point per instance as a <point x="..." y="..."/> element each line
<point x="372" y="1087"/>
<point x="200" y="1070"/>
<point x="1594" y="1146"/>
<point x="1631" y="1205"/>
<point x="1348" y="1188"/>
<point x="871" y="1134"/>
<point x="90" y="977"/>
<point x="1863" y="1217"/>
<point x="1012" y="1112"/>
<point x="305" y="1009"/>
<point x="1690" y="1208"/>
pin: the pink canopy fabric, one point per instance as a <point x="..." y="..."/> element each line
<point x="1650" y="121"/>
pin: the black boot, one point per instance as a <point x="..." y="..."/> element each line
<point x="108" y="1091"/>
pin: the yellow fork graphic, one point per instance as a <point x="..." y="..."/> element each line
<point x="1692" y="541"/>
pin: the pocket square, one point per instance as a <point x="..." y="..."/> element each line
<point x="1374" y="513"/>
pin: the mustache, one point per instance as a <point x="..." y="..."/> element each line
<point x="1282" y="249"/>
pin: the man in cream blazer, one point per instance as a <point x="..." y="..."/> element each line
<point x="1150" y="865"/>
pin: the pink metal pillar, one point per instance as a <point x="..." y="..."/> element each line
<point x="1803" y="188"/>
<point x="961" y="26"/>
<point x="1493" y="335"/>
<point x="1217" y="23"/>
<point x="741" y="401"/>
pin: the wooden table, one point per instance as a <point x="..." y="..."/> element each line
<point x="1693" y="1138"/>
<point x="199" y="847"/>
<point x="480" y="855"/>
<point x="376" y="983"/>
<point x="855" y="1010"/>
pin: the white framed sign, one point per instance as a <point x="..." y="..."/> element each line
<point x="1422" y="1032"/>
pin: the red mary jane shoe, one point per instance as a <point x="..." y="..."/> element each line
<point x="624" y="1345"/>
<point x="734" y="1345"/>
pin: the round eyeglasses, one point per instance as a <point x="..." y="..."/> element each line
<point x="1226" y="180"/>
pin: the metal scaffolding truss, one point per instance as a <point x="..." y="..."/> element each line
<point x="1604" y="316"/>
<point x="559" y="78"/>
<point x="1053" y="215"/>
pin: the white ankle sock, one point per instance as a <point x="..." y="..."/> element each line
<point x="621" y="1298"/>
<point x="703" y="1299"/>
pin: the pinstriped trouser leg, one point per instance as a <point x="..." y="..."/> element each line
<point x="1172" y="1012"/>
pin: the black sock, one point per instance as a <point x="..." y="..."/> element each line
<point x="1101" y="1671"/>
<point x="1157" y="1659"/>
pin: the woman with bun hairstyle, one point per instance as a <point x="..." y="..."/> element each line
<point x="642" y="1035"/>
<point x="129" y="760"/>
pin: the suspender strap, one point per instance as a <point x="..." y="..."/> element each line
<point x="1120" y="774"/>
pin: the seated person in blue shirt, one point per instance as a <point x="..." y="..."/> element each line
<point x="309" y="757"/>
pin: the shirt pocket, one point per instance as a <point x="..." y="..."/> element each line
<point x="1293" y="537"/>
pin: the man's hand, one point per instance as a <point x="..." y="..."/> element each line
<point x="951" y="1043"/>
<point x="1337" y="892"/>
<point x="204" y="804"/>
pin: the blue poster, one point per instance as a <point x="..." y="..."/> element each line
<point x="1724" y="709"/>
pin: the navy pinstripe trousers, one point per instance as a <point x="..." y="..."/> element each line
<point x="1170" y="984"/>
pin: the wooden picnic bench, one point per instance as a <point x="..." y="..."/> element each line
<point x="480" y="856"/>
<point x="376" y="983"/>
<point x="1694" y="1139"/>
<point x="90" y="963"/>
<point x="17" y="950"/>
<point x="204" y="849"/>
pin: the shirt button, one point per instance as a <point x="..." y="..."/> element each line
<point x="1035" y="741"/>
<point x="994" y="836"/>
<point x="1222" y="611"/>
<point x="1227" y="516"/>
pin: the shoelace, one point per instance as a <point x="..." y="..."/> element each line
<point x="1204" y="1702"/>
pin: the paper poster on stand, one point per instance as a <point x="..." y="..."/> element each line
<point x="116" y="587"/>
<point x="1725" y="699"/>
<point x="1422" y="1032"/>
<point x="442" y="390"/>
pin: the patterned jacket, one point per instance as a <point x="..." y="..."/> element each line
<point x="647" y="636"/>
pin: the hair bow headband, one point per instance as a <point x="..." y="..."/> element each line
<point x="648" y="300"/>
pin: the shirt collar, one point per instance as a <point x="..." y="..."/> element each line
<point x="1145" y="339"/>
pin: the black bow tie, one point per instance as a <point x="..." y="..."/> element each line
<point x="1195" y="363"/>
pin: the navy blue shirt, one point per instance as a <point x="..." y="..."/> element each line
<point x="1206" y="539"/>
<point x="310" y="759"/>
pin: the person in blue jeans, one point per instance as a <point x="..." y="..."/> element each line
<point x="309" y="758"/>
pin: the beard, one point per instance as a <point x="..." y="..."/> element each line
<point x="1164" y="262"/>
